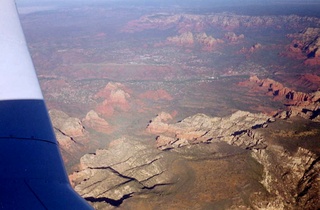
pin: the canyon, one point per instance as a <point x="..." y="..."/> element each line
<point x="166" y="108"/>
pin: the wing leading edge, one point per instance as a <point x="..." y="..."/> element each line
<point x="32" y="174"/>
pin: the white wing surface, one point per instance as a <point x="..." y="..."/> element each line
<point x="32" y="174"/>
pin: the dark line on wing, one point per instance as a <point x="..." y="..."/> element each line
<point x="35" y="195"/>
<point x="28" y="139"/>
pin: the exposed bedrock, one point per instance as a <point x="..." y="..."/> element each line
<point x="127" y="167"/>
<point x="70" y="133"/>
<point x="306" y="44"/>
<point x="237" y="129"/>
<point x="291" y="178"/>
<point x="288" y="177"/>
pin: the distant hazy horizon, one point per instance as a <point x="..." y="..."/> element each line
<point x="245" y="7"/>
<point x="166" y="2"/>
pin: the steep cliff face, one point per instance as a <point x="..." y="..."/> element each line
<point x="297" y="103"/>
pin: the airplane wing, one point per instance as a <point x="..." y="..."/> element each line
<point x="32" y="174"/>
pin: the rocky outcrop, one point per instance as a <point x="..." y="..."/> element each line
<point x="114" y="174"/>
<point x="231" y="36"/>
<point x="70" y="134"/>
<point x="207" y="42"/>
<point x="185" y="39"/>
<point x="189" y="25"/>
<point x="250" y="50"/>
<point x="290" y="175"/>
<point x="298" y="103"/>
<point x="237" y="129"/>
<point x="115" y="97"/>
<point x="188" y="39"/>
<point x="291" y="179"/>
<point x="95" y="122"/>
<point x="255" y="47"/>
<point x="69" y="126"/>
<point x="158" y="124"/>
<point x="306" y="44"/>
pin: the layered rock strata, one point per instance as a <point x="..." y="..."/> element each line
<point x="68" y="130"/>
<point x="306" y="105"/>
<point x="237" y="129"/>
<point x="125" y="168"/>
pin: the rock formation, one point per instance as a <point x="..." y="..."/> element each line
<point x="158" y="125"/>
<point x="185" y="39"/>
<point x="198" y="23"/>
<point x="237" y="129"/>
<point x="297" y="103"/>
<point x="95" y="122"/>
<point x="188" y="39"/>
<point x="114" y="98"/>
<point x="70" y="134"/>
<point x="306" y="44"/>
<point x="233" y="37"/>
<point x="255" y="47"/>
<point x="291" y="178"/>
<point x="69" y="126"/>
<point x="130" y="167"/>
<point x="114" y="174"/>
<point x="189" y="25"/>
<point x="207" y="42"/>
<point x="66" y="128"/>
